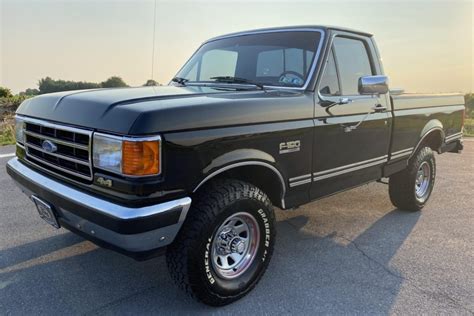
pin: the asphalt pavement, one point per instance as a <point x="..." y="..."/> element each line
<point x="352" y="253"/>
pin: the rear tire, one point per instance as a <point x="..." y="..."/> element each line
<point x="225" y="244"/>
<point x="411" y="188"/>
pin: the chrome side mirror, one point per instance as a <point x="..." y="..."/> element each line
<point x="371" y="85"/>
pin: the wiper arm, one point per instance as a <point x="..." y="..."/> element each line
<point x="230" y="79"/>
<point x="181" y="81"/>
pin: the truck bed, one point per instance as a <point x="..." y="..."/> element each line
<point x="415" y="115"/>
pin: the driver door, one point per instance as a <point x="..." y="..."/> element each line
<point x="350" y="140"/>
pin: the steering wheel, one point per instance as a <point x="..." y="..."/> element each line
<point x="291" y="78"/>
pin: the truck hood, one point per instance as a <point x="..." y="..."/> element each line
<point x="150" y="110"/>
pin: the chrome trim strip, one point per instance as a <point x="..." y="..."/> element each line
<point x="82" y="162"/>
<point x="290" y="29"/>
<point x="350" y="165"/>
<point x="453" y="139"/>
<point x="400" y="155"/>
<point x="297" y="183"/>
<point x="56" y="140"/>
<point x="92" y="202"/>
<point x="248" y="163"/>
<point x="131" y="138"/>
<point x="454" y="136"/>
<point x="288" y="151"/>
<point x="402" y="151"/>
<point x="349" y="170"/>
<point x="73" y="173"/>
<point x="300" y="177"/>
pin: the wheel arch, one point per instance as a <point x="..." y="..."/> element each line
<point x="257" y="169"/>
<point x="432" y="135"/>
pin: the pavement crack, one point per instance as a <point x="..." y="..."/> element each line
<point x="385" y="268"/>
<point x="411" y="282"/>
<point x="97" y="310"/>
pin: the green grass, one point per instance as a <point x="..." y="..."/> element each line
<point x="7" y="135"/>
<point x="469" y="127"/>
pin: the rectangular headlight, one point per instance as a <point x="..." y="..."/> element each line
<point x="107" y="153"/>
<point x="19" y="130"/>
<point x="127" y="156"/>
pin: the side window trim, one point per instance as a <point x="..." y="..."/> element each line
<point x="333" y="51"/>
<point x="327" y="61"/>
<point x="198" y="75"/>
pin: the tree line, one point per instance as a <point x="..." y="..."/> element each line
<point x="49" y="85"/>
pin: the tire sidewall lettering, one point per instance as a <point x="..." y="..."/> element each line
<point x="207" y="263"/>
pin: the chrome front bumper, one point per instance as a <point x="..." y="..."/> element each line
<point x="130" y="229"/>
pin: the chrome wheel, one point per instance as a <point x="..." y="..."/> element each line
<point x="235" y="245"/>
<point x="423" y="179"/>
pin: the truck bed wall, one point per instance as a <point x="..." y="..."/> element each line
<point x="416" y="114"/>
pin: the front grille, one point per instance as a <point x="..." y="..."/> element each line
<point x="71" y="155"/>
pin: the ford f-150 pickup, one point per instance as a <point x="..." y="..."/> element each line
<point x="272" y="117"/>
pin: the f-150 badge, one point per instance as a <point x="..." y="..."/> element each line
<point x="290" y="147"/>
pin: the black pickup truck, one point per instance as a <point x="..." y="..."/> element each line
<point x="272" y="117"/>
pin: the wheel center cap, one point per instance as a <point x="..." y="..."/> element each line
<point x="420" y="178"/>
<point x="238" y="246"/>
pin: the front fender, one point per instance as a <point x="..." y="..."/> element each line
<point x="237" y="156"/>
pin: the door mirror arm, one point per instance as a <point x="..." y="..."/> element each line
<point x="328" y="104"/>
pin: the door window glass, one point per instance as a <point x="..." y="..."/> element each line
<point x="353" y="62"/>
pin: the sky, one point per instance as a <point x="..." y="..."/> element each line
<point x="426" y="45"/>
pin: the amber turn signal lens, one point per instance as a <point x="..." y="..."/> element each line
<point x="141" y="158"/>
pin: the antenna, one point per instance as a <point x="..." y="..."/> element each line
<point x="153" y="45"/>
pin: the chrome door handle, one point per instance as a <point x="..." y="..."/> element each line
<point x="379" y="108"/>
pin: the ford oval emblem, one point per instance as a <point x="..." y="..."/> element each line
<point x="49" y="146"/>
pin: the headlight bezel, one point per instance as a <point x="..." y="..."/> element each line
<point x="122" y="139"/>
<point x="19" y="128"/>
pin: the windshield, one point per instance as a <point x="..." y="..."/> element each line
<point x="273" y="59"/>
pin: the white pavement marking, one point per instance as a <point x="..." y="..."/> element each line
<point x="7" y="155"/>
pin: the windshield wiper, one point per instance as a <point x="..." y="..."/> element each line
<point x="181" y="81"/>
<point x="230" y="79"/>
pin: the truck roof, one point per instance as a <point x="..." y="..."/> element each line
<point x="293" y="28"/>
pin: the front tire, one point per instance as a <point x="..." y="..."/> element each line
<point x="225" y="244"/>
<point x="411" y="188"/>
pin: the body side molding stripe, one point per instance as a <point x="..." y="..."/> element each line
<point x="381" y="158"/>
<point x="300" y="177"/>
<point x="454" y="136"/>
<point x="294" y="184"/>
<point x="333" y="174"/>
<point x="400" y="155"/>
<point x="402" y="151"/>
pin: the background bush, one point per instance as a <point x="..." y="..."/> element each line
<point x="5" y="92"/>
<point x="49" y="85"/>
<point x="469" y="99"/>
